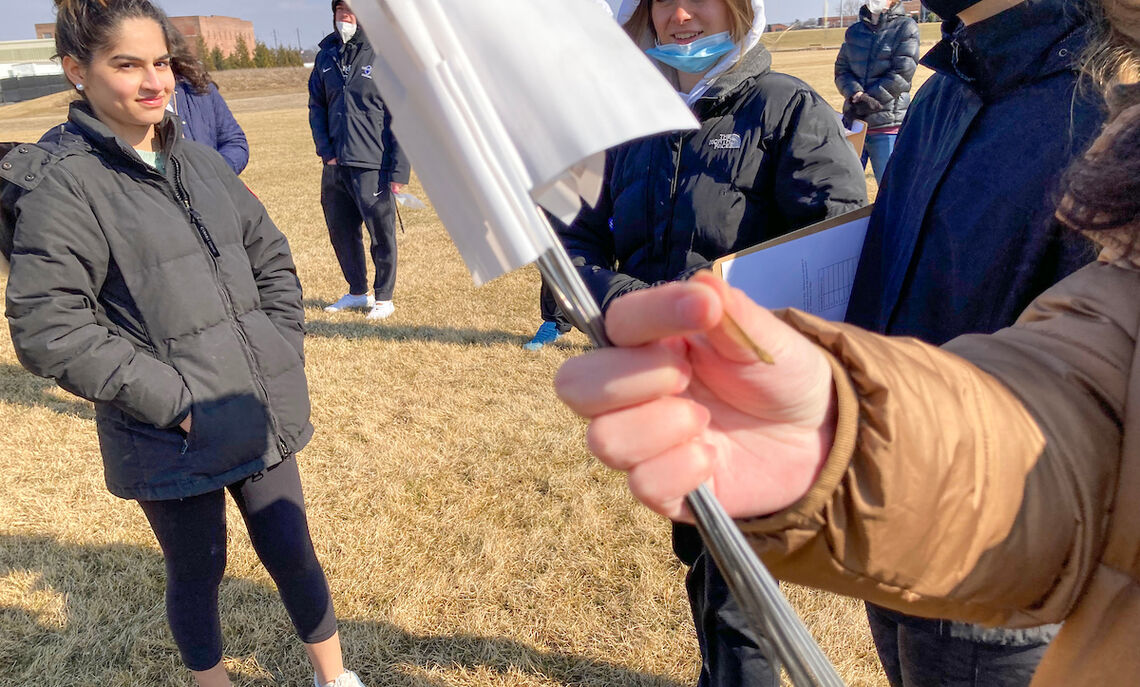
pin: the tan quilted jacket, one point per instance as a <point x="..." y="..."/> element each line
<point x="996" y="480"/>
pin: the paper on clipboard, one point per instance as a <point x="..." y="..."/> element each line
<point x="812" y="269"/>
<point x="856" y="133"/>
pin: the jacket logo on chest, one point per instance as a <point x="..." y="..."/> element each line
<point x="367" y="71"/>
<point x="725" y="141"/>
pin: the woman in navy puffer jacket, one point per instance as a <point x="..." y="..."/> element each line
<point x="205" y="116"/>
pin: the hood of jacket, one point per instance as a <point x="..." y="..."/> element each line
<point x="1020" y="45"/>
<point x="751" y="40"/>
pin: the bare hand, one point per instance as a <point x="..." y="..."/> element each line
<point x="683" y="399"/>
<point x="185" y="424"/>
<point x="396" y="187"/>
<point x="331" y="161"/>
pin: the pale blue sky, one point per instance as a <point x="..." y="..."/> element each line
<point x="312" y="19"/>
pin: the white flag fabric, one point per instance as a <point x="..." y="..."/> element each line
<point x="502" y="104"/>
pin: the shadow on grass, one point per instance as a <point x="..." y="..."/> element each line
<point x="365" y="329"/>
<point x="114" y="627"/>
<point x="353" y="326"/>
<point x="19" y="386"/>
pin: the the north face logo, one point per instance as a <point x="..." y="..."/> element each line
<point x="725" y="141"/>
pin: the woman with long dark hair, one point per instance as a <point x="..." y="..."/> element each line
<point x="146" y="278"/>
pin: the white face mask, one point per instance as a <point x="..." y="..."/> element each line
<point x="346" y="29"/>
<point x="878" y="6"/>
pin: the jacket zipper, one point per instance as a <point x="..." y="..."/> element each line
<point x="196" y="219"/>
<point x="667" y="239"/>
<point x="871" y="54"/>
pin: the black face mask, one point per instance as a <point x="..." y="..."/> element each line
<point x="948" y="8"/>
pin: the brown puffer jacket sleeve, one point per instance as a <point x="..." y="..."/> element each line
<point x="975" y="482"/>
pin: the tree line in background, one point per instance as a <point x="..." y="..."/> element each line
<point x="241" y="58"/>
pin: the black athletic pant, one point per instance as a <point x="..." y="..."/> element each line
<point x="192" y="534"/>
<point x="548" y="306"/>
<point x="350" y="196"/>
<point x="732" y="653"/>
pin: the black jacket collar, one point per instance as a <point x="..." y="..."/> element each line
<point x="334" y="42"/>
<point x="84" y="131"/>
<point x="1021" y="45"/>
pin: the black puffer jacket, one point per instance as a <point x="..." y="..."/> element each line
<point x="879" y="60"/>
<point x="156" y="296"/>
<point x="770" y="157"/>
<point x="348" y="118"/>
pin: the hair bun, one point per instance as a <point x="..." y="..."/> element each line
<point x="77" y="6"/>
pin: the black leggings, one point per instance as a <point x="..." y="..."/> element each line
<point x="192" y="534"/>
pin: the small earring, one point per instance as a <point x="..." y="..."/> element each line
<point x="79" y="87"/>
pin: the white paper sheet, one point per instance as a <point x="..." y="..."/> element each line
<point x="812" y="269"/>
<point x="502" y="104"/>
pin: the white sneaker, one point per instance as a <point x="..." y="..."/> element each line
<point x="346" y="679"/>
<point x="381" y="310"/>
<point x="348" y="300"/>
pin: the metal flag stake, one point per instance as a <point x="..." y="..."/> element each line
<point x="499" y="117"/>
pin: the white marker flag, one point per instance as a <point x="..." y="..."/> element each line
<point x="502" y="104"/>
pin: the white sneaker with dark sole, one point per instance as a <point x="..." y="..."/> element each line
<point x="381" y="310"/>
<point x="350" y="302"/>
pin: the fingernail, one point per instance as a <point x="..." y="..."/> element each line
<point x="690" y="308"/>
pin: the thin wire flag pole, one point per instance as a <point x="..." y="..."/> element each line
<point x="750" y="582"/>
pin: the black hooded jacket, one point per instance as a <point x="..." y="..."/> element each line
<point x="879" y="60"/>
<point x="156" y="295"/>
<point x="770" y="157"/>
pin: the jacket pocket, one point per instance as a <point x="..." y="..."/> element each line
<point x="281" y="372"/>
<point x="137" y="457"/>
<point x="226" y="433"/>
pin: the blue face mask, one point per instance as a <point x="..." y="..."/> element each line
<point x="696" y="57"/>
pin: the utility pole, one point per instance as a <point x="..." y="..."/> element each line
<point x="300" y="48"/>
<point x="275" y="43"/>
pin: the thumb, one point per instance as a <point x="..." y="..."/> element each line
<point x="746" y="333"/>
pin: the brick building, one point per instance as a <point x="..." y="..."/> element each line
<point x="220" y="32"/>
<point x="45" y="31"/>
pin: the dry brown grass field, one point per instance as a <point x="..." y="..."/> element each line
<point x="830" y="39"/>
<point x="469" y="538"/>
